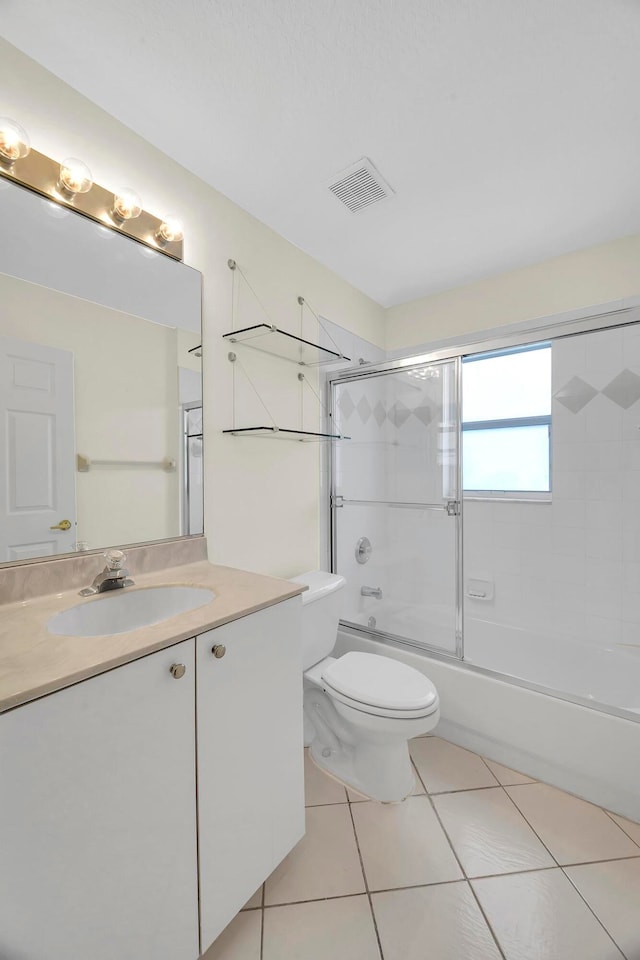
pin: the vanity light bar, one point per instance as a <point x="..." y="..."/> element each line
<point x="70" y="184"/>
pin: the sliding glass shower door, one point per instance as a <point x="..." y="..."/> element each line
<point x="396" y="502"/>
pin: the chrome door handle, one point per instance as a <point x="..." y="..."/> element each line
<point x="218" y="650"/>
<point x="178" y="671"/>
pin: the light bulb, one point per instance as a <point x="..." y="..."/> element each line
<point x="75" y="177"/>
<point x="14" y="141"/>
<point x="170" y="230"/>
<point x="127" y="205"/>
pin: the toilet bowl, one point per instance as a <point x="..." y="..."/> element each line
<point x="360" y="709"/>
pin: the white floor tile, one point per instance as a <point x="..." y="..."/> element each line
<point x="444" y="766"/>
<point x="612" y="890"/>
<point x="240" y="940"/>
<point x="574" y="831"/>
<point x="319" y="787"/>
<point x="324" y="864"/>
<point x="505" y="775"/>
<point x="540" y="916"/>
<point x="403" y="844"/>
<point x="336" y="929"/>
<point x="255" y="900"/>
<point x="488" y="833"/>
<point x="441" y="922"/>
<point x="631" y="828"/>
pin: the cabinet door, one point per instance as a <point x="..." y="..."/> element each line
<point x="250" y="757"/>
<point x="97" y="818"/>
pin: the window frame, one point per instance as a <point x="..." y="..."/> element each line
<point x="506" y="423"/>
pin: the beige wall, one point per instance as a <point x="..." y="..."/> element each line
<point x="262" y="497"/>
<point x="607" y="272"/>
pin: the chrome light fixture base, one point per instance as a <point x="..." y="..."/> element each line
<point x="41" y="174"/>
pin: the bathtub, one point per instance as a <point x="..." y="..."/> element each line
<point x="546" y="730"/>
<point x="411" y="621"/>
<point x="606" y="677"/>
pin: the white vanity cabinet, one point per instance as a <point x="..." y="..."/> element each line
<point x="98" y="817"/>
<point x="107" y="849"/>
<point x="250" y="757"/>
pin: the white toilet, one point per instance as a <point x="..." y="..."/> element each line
<point x="360" y="709"/>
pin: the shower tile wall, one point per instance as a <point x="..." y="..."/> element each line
<point x="570" y="567"/>
<point x="396" y="455"/>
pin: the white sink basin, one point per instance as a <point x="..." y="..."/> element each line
<point x="126" y="610"/>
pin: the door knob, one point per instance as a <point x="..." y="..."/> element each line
<point x="63" y="525"/>
<point x="178" y="671"/>
<point x="218" y="650"/>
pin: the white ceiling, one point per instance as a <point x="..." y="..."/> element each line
<point x="509" y="129"/>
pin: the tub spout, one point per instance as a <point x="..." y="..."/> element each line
<point x="371" y="592"/>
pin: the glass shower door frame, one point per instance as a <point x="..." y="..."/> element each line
<point x="453" y="506"/>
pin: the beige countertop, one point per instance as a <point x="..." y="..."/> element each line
<point x="34" y="662"/>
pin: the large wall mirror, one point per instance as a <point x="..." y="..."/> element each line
<point x="100" y="386"/>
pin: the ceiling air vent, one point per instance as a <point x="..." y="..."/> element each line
<point x="360" y="185"/>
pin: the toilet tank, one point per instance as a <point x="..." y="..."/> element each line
<point x="320" y="614"/>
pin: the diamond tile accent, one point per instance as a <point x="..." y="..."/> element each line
<point x="623" y="389"/>
<point x="424" y="413"/>
<point x="379" y="413"/>
<point x="364" y="410"/>
<point x="399" y="414"/>
<point x="346" y="404"/>
<point x="575" y="394"/>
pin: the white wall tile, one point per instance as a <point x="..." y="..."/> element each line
<point x="602" y="631"/>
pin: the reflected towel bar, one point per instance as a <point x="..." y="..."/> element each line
<point x="85" y="463"/>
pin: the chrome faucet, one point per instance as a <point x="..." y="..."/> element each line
<point x="113" y="577"/>
<point x="371" y="592"/>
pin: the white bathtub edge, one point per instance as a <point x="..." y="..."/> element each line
<point x="581" y="750"/>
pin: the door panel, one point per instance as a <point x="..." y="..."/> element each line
<point x="396" y="482"/>
<point x="37" y="481"/>
<point x="98" y="818"/>
<point x="250" y="757"/>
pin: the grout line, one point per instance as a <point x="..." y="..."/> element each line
<point x="621" y="827"/>
<point x="464" y="874"/>
<point x="486" y="762"/>
<point x="530" y="825"/>
<point x="577" y="863"/>
<point x="441" y="883"/>
<point x="590" y="908"/>
<point x="262" y="920"/>
<point x="593" y="863"/>
<point x="366" y="882"/>
<point x="296" y="903"/>
<point x="440" y="793"/>
<point x="332" y="803"/>
<point x="411" y="886"/>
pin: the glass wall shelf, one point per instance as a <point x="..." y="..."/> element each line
<point x="279" y="343"/>
<point x="279" y="433"/>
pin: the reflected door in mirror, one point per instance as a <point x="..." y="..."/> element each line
<point x="37" y="483"/>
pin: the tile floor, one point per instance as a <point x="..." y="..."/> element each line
<point x="481" y="863"/>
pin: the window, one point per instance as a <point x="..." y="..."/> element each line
<point x="506" y="421"/>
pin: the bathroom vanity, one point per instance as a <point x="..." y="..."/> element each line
<point x="144" y="803"/>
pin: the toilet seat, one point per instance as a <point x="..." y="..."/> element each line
<point x="380" y="686"/>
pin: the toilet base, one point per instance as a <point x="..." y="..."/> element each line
<point x="380" y="772"/>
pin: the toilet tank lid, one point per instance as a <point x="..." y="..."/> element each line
<point x="320" y="584"/>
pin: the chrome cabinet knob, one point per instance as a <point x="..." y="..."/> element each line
<point x="178" y="670"/>
<point x="218" y="650"/>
